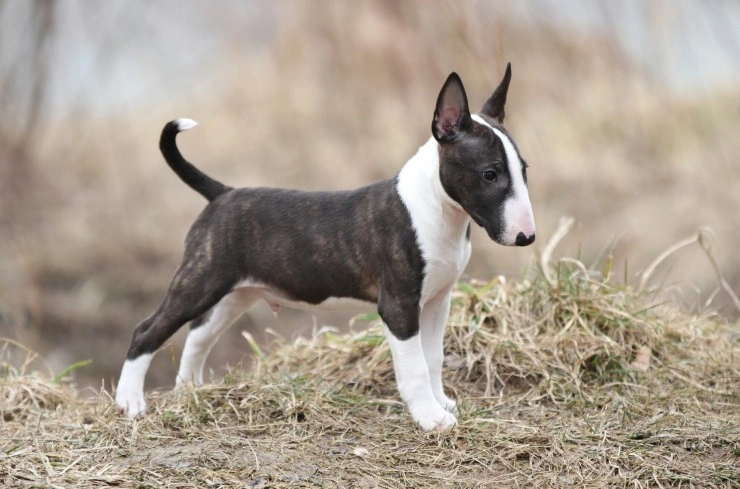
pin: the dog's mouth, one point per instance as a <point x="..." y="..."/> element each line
<point x="493" y="230"/>
<point x="498" y="236"/>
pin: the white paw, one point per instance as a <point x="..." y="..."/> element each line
<point x="447" y="403"/>
<point x="190" y="381"/>
<point x="130" y="390"/>
<point x="434" y="418"/>
<point x="131" y="404"/>
<point x="191" y="366"/>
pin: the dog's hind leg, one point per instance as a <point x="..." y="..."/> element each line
<point x="191" y="294"/>
<point x="205" y="331"/>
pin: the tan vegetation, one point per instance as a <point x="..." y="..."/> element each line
<point x="565" y="381"/>
<point x="93" y="221"/>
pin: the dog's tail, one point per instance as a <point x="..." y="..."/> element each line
<point x="196" y="179"/>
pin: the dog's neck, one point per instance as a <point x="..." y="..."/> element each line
<point x="437" y="218"/>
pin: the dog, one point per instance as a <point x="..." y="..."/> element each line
<point x="397" y="246"/>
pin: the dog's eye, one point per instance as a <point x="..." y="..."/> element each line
<point x="489" y="175"/>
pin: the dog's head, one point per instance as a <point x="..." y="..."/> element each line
<point x="480" y="166"/>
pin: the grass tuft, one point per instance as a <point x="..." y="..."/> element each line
<point x="563" y="380"/>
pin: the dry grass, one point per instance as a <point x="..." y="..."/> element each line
<point x="563" y="380"/>
<point x="91" y="235"/>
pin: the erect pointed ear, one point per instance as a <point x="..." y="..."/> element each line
<point x="451" y="116"/>
<point x="494" y="107"/>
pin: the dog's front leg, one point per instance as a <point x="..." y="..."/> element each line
<point x="410" y="366"/>
<point x="434" y="317"/>
<point x="412" y="377"/>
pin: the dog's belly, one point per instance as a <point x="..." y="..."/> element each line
<point x="276" y="299"/>
<point x="338" y="304"/>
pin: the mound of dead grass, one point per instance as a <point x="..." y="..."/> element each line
<point x="563" y="380"/>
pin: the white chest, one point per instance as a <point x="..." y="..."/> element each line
<point x="445" y="263"/>
<point x="440" y="223"/>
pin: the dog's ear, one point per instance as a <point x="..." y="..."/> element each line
<point x="494" y="107"/>
<point x="451" y="116"/>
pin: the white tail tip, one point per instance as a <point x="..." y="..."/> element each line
<point x="185" y="124"/>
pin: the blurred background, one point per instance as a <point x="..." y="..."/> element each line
<point x="627" y="112"/>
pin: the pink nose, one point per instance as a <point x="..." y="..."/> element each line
<point x="524" y="240"/>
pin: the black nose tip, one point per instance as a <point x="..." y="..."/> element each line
<point x="522" y="240"/>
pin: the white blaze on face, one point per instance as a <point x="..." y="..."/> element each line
<point x="517" y="212"/>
